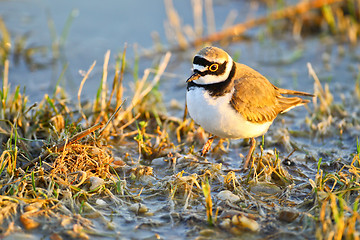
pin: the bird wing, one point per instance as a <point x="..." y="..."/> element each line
<point x="256" y="99"/>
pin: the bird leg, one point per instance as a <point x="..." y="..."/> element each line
<point x="207" y="145"/>
<point x="251" y="150"/>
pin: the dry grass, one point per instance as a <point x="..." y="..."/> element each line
<point x="336" y="17"/>
<point x="89" y="159"/>
<point x="74" y="165"/>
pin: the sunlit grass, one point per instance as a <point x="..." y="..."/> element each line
<point x="208" y="202"/>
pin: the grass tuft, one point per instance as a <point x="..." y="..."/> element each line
<point x="208" y="202"/>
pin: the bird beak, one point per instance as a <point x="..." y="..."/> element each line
<point x="193" y="77"/>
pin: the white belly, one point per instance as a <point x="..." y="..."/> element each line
<point x="216" y="116"/>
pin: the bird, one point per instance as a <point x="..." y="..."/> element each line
<point x="231" y="100"/>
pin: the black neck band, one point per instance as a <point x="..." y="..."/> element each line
<point x="216" y="89"/>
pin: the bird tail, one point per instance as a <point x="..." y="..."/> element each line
<point x="292" y="92"/>
<point x="288" y="103"/>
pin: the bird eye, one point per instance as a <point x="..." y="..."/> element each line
<point x="214" y="67"/>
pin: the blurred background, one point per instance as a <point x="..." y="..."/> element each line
<point x="48" y="38"/>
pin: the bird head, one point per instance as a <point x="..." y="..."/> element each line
<point x="211" y="65"/>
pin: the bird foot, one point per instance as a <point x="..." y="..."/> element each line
<point x="247" y="161"/>
<point x="249" y="155"/>
<point x="206" y="148"/>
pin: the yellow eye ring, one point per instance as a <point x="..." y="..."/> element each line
<point x="214" y="67"/>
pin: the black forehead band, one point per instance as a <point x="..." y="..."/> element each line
<point x="201" y="61"/>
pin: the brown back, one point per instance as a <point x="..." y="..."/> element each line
<point x="257" y="99"/>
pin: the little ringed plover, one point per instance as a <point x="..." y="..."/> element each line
<point x="232" y="100"/>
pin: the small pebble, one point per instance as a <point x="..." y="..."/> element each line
<point x="138" y="208"/>
<point x="227" y="195"/>
<point x="159" y="162"/>
<point x="101" y="202"/>
<point x="226" y="223"/>
<point x="245" y="222"/>
<point x="20" y="236"/>
<point x="264" y="187"/>
<point x="207" y="232"/>
<point x="288" y="216"/>
<point x="95" y="182"/>
<point x="288" y="162"/>
<point x="28" y="223"/>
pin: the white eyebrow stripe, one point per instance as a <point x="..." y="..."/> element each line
<point x="199" y="67"/>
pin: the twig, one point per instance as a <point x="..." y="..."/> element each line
<point x="240" y="28"/>
<point x="81" y="87"/>
<point x="210" y="18"/>
<point x="323" y="94"/>
<point x="117" y="86"/>
<point x="104" y="80"/>
<point x="5" y="85"/>
<point x="110" y="119"/>
<point x="175" y="22"/>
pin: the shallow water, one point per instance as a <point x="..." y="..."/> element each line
<point x="98" y="27"/>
